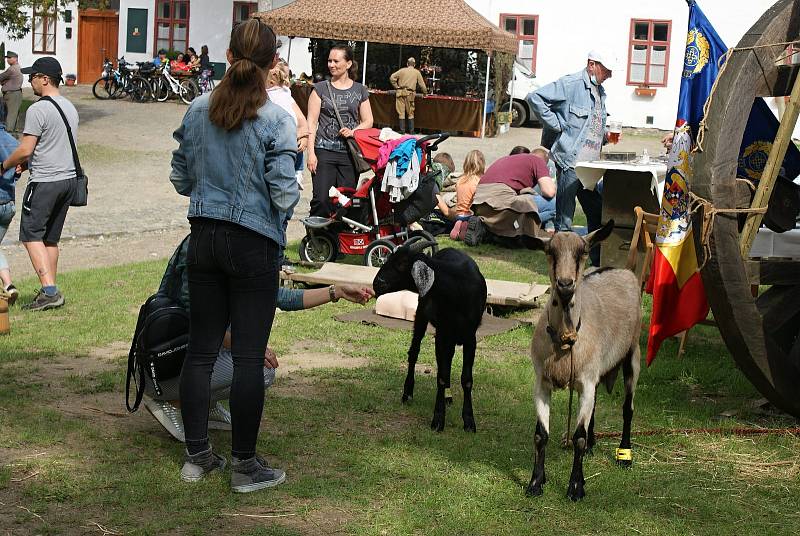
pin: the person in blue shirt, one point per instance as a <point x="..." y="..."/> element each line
<point x="161" y="59"/>
<point x="8" y="180"/>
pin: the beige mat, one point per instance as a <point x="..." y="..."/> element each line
<point x="491" y="325"/>
<point x="508" y="293"/>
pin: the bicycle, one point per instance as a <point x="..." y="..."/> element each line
<point x="107" y="84"/>
<point x="166" y="85"/>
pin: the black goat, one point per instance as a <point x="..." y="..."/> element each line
<point x="452" y="297"/>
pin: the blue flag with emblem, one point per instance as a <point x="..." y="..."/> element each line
<point x="757" y="144"/>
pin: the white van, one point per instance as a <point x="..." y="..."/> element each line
<point x="523" y="83"/>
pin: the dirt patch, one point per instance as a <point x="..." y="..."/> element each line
<point x="303" y="516"/>
<point x="304" y="355"/>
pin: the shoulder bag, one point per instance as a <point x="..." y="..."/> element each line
<point x="359" y="163"/>
<point x="81" y="197"/>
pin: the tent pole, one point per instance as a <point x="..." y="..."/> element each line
<point x="289" y="53"/>
<point x="485" y="95"/>
<point x="511" y="93"/>
<point x="364" y="66"/>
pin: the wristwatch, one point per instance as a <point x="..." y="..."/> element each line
<point x="332" y="293"/>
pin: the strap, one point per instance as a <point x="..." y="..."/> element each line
<point x="75" y="159"/>
<point x="333" y="103"/>
<point x="133" y="365"/>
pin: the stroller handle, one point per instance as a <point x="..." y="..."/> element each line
<point x="440" y="137"/>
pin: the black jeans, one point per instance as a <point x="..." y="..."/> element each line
<point x="233" y="279"/>
<point x="333" y="169"/>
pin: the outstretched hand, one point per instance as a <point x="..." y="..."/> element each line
<point x="355" y="294"/>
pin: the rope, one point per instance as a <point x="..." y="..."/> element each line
<point x="569" y="411"/>
<point x="709" y="215"/>
<point x="724" y="58"/>
<point x="716" y="431"/>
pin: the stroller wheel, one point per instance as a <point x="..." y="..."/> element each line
<point x="317" y="248"/>
<point x="377" y="253"/>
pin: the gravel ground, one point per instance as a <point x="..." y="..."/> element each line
<point x="134" y="213"/>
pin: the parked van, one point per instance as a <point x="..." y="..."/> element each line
<point x="523" y="83"/>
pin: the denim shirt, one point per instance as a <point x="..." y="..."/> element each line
<point x="244" y="176"/>
<point x="564" y="108"/>
<point x="7" y="146"/>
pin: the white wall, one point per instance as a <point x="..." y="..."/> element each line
<point x="568" y="30"/>
<point x="66" y="49"/>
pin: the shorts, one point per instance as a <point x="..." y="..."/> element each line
<point x="44" y="210"/>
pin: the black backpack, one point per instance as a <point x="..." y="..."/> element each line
<point x="161" y="336"/>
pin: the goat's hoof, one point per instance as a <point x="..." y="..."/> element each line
<point x="469" y="425"/>
<point x="437" y="424"/>
<point x="448" y="400"/>
<point x="575" y="490"/>
<point x="407" y="398"/>
<point x="589" y="451"/>
<point x="534" y="490"/>
<point x="625" y="464"/>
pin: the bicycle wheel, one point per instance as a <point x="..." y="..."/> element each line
<point x="140" y="89"/>
<point x="103" y="88"/>
<point x="189" y="90"/>
<point x="161" y="90"/>
<point x="120" y="89"/>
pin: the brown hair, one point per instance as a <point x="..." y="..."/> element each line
<point x="352" y="72"/>
<point x="474" y="163"/>
<point x="542" y="152"/>
<point x="242" y="91"/>
<point x="519" y="149"/>
<point x="445" y="159"/>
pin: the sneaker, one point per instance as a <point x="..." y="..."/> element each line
<point x="299" y="177"/>
<point x="43" y="302"/>
<point x="12" y="293"/>
<point x="219" y="418"/>
<point x="168" y="416"/>
<point x="253" y="474"/>
<point x="476" y="230"/>
<point x="195" y="467"/>
<point x="458" y="230"/>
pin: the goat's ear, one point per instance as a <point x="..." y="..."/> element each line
<point x="535" y="243"/>
<point x="595" y="237"/>
<point x="423" y="277"/>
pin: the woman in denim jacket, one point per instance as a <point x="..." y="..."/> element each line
<point x="236" y="163"/>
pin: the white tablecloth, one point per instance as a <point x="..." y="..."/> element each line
<point x="590" y="173"/>
<point x="772" y="244"/>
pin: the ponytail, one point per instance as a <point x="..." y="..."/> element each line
<point x="242" y="91"/>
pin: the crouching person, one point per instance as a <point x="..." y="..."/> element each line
<point x="165" y="406"/>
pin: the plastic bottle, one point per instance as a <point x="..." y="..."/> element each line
<point x="645" y="157"/>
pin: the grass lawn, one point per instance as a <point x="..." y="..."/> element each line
<point x="360" y="462"/>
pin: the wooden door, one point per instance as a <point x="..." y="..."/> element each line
<point x="98" y="32"/>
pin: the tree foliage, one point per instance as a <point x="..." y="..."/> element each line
<point x="15" y="15"/>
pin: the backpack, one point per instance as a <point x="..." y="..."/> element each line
<point x="161" y="336"/>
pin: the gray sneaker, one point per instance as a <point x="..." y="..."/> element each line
<point x="195" y="467"/>
<point x="43" y="302"/>
<point x="219" y="418"/>
<point x="253" y="474"/>
<point x="167" y="415"/>
<point x="476" y="231"/>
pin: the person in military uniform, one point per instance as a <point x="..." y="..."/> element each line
<point x="405" y="81"/>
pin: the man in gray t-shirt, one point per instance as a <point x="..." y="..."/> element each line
<point x="45" y="150"/>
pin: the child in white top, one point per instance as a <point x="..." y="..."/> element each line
<point x="278" y="92"/>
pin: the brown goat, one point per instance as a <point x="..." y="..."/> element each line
<point x="589" y="329"/>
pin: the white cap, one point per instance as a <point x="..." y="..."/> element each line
<point x="604" y="56"/>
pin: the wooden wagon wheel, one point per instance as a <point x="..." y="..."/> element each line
<point x="761" y="333"/>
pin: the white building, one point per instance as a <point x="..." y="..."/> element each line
<point x="648" y="37"/>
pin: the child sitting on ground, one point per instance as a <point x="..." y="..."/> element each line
<point x="278" y="92"/>
<point x="473" y="168"/>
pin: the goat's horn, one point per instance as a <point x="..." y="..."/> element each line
<point x="419" y="245"/>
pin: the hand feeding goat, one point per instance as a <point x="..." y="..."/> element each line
<point x="589" y="330"/>
<point x="452" y="297"/>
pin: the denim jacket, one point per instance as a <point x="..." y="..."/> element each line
<point x="564" y="108"/>
<point x="245" y="176"/>
<point x="7" y="146"/>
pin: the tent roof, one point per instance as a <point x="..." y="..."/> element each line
<point x="435" y="23"/>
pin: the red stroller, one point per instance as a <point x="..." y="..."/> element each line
<point x="364" y="222"/>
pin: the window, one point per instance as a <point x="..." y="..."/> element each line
<point x="526" y="28"/>
<point x="172" y="25"/>
<point x="44" y="29"/>
<point x="648" y="58"/>
<point x="242" y="11"/>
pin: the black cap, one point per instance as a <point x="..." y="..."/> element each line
<point x="47" y="66"/>
<point x="11" y="54"/>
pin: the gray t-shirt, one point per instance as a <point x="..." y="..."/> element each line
<point x="593" y="143"/>
<point x="51" y="160"/>
<point x="348" y="102"/>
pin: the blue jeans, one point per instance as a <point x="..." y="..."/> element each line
<point x="7" y="212"/>
<point x="568" y="189"/>
<point x="547" y="209"/>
